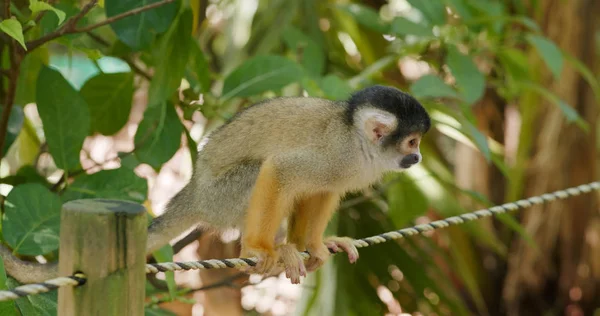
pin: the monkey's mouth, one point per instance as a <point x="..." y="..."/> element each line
<point x="406" y="165"/>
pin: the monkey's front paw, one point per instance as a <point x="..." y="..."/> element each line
<point x="318" y="255"/>
<point x="293" y="263"/>
<point x="267" y="260"/>
<point x="346" y="244"/>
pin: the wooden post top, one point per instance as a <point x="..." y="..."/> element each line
<point x="99" y="206"/>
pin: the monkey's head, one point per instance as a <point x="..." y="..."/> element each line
<point x="392" y="121"/>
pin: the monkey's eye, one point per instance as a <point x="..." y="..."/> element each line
<point x="412" y="142"/>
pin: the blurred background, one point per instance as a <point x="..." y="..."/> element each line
<point x="117" y="110"/>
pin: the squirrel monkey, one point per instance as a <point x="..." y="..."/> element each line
<point x="290" y="158"/>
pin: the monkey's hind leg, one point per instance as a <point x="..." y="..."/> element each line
<point x="266" y="209"/>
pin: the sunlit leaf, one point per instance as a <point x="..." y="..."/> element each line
<point x="431" y="86"/>
<point x="37" y="6"/>
<point x="469" y="80"/>
<point x="138" y="31"/>
<point x="259" y="74"/>
<point x="159" y="135"/>
<point x="109" y="97"/>
<point x="13" y="28"/>
<point x="550" y="53"/>
<point x="402" y="26"/>
<point x="65" y="116"/>
<point x="365" y="16"/>
<point x="31" y="220"/>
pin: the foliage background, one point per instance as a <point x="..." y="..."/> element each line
<point x="117" y="110"/>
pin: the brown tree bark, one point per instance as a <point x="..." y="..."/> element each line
<point x="564" y="277"/>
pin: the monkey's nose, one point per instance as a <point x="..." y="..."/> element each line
<point x="409" y="160"/>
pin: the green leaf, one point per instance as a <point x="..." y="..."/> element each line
<point x="311" y="54"/>
<point x="109" y="97"/>
<point x="37" y="6"/>
<point x="469" y="80"/>
<point x="515" y="63"/>
<point x="406" y="201"/>
<point x="159" y="135"/>
<point x="50" y="22"/>
<point x="433" y="11"/>
<point x="461" y="7"/>
<point x="122" y="184"/>
<point x="31" y="220"/>
<point x="7" y="308"/>
<point x="259" y="74"/>
<point x="165" y="254"/>
<point x="15" y="122"/>
<point x="365" y="16"/>
<point x="431" y="86"/>
<point x="43" y="304"/>
<point x="550" y="53"/>
<point x="30" y="69"/>
<point x="569" y="112"/>
<point x="402" y="26"/>
<point x="198" y="69"/>
<point x="26" y="174"/>
<point x="335" y="88"/>
<point x="65" y="116"/>
<point x="13" y="28"/>
<point x="479" y="139"/>
<point x="192" y="145"/>
<point x="139" y="30"/>
<point x="171" y="59"/>
<point x="155" y="311"/>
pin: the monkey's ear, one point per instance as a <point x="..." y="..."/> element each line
<point x="377" y="124"/>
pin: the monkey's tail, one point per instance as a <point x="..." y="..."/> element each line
<point x="27" y="272"/>
<point x="179" y="216"/>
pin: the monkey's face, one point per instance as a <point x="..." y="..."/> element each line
<point x="396" y="141"/>
<point x="408" y="151"/>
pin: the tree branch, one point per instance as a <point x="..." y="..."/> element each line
<point x="67" y="28"/>
<point x="70" y="27"/>
<point x="123" y="15"/>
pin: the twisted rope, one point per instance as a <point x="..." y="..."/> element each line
<point x="80" y="278"/>
<point x="393" y="235"/>
<point x="36" y="288"/>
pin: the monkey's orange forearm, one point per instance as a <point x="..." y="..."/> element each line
<point x="311" y="217"/>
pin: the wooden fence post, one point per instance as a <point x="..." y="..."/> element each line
<point x="106" y="240"/>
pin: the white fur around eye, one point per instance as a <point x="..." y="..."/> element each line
<point x="375" y="123"/>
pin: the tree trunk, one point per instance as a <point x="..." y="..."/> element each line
<point x="564" y="277"/>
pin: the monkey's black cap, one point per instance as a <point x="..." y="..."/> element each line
<point x="411" y="115"/>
